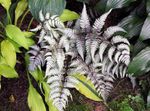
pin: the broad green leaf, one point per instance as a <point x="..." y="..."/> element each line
<point x="8" y="52"/>
<point x="48" y="100"/>
<point x="16" y="45"/>
<point x="35" y="101"/>
<point x="54" y="7"/>
<point x="145" y="32"/>
<point x="132" y="24"/>
<point x="30" y="42"/>
<point x="37" y="74"/>
<point x="86" y="87"/>
<point x="21" y="6"/>
<point x="68" y="15"/>
<point x="118" y="3"/>
<point x="28" y="34"/>
<point x="14" y="33"/>
<point x="7" y="71"/>
<point x="140" y="63"/>
<point x="6" y="4"/>
<point x="2" y="60"/>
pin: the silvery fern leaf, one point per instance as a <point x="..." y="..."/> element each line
<point x="100" y="22"/>
<point x="36" y="58"/>
<point x="84" y="20"/>
<point x="110" y="31"/>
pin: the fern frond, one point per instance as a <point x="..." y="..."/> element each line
<point x="84" y="20"/>
<point x="36" y="58"/>
<point x="100" y="22"/>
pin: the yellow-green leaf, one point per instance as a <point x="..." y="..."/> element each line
<point x="35" y="101"/>
<point x="21" y="6"/>
<point x="86" y="87"/>
<point x="68" y="15"/>
<point x="16" y="45"/>
<point x="8" y="52"/>
<point x="7" y="71"/>
<point x="2" y="60"/>
<point x="28" y="34"/>
<point x="48" y="100"/>
<point x="6" y="4"/>
<point x="30" y="42"/>
<point x="14" y="33"/>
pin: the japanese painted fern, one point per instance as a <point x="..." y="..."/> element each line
<point x="100" y="54"/>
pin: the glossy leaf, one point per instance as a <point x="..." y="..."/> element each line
<point x="6" y="4"/>
<point x="86" y="87"/>
<point x="28" y="34"/>
<point x="8" y="52"/>
<point x="35" y="101"/>
<point x="48" y="100"/>
<point x="118" y="3"/>
<point x="21" y="6"/>
<point x="14" y="33"/>
<point x="132" y="24"/>
<point x="140" y="63"/>
<point x="68" y="15"/>
<point x="54" y="7"/>
<point x="7" y="71"/>
<point x="145" y="32"/>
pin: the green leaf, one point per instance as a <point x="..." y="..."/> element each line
<point x="6" y="4"/>
<point x="48" y="100"/>
<point x="118" y="3"/>
<point x="132" y="24"/>
<point x="54" y="7"/>
<point x="37" y="74"/>
<point x="68" y="15"/>
<point x="86" y="87"/>
<point x="35" y="101"/>
<point x="2" y="60"/>
<point x="14" y="33"/>
<point x="16" y="45"/>
<point x="30" y="42"/>
<point x="7" y="71"/>
<point x="145" y="32"/>
<point x="8" y="52"/>
<point x="28" y="34"/>
<point x="21" y="6"/>
<point x="140" y="63"/>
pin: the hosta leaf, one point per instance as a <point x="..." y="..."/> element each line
<point x="16" y="35"/>
<point x="30" y="42"/>
<point x="5" y="3"/>
<point x="68" y="15"/>
<point x="16" y="45"/>
<point x="54" y="7"/>
<point x="8" y="52"/>
<point x="145" y="32"/>
<point x="35" y="101"/>
<point x="140" y="63"/>
<point x="28" y="34"/>
<point x="37" y="74"/>
<point x="21" y="6"/>
<point x="118" y="3"/>
<point x="7" y="71"/>
<point x="48" y="100"/>
<point x="132" y="24"/>
<point x="2" y="60"/>
<point x="86" y="88"/>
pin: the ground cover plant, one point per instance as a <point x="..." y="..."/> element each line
<point x="79" y="55"/>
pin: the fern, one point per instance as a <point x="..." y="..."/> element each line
<point x="98" y="53"/>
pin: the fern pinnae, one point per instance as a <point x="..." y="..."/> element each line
<point x="84" y="20"/>
<point x="100" y="22"/>
<point x="110" y="31"/>
<point x="102" y="48"/>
